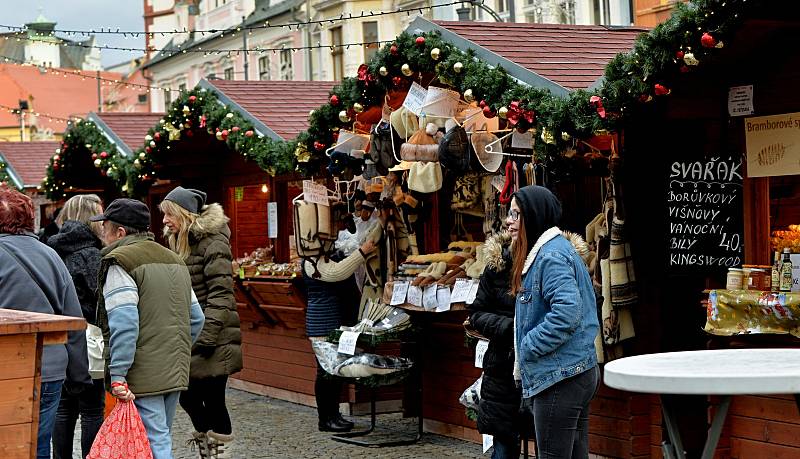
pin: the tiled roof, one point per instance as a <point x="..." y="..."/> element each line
<point x="573" y="56"/>
<point x="29" y="159"/>
<point x="127" y="129"/>
<point x="281" y="106"/>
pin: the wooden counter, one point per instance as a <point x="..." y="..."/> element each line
<point x="22" y="335"/>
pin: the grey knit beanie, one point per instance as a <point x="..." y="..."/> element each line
<point x="188" y="198"/>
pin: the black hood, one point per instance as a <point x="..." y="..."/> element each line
<point x="540" y="209"/>
<point x="73" y="237"/>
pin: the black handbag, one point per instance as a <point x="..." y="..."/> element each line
<point x="384" y="142"/>
<point x="454" y="150"/>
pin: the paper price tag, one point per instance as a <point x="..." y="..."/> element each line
<point x="347" y="342"/>
<point x="415" y="99"/>
<point x="399" y="291"/>
<point x="488" y="442"/>
<point x="443" y="299"/>
<point x="414" y="295"/>
<point x="473" y="291"/>
<point x="429" y="297"/>
<point x="520" y="140"/>
<point x="315" y="193"/>
<point x="460" y="291"/>
<point x="480" y="351"/>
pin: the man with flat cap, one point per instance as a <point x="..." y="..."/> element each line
<point x="150" y="318"/>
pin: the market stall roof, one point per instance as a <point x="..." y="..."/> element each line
<point x="558" y="57"/>
<point x="27" y="161"/>
<point x="277" y="109"/>
<point x="126" y="130"/>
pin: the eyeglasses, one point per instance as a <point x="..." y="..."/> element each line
<point x="513" y="214"/>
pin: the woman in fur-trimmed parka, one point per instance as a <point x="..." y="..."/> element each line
<point x="199" y="234"/>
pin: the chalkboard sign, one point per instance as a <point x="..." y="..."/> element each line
<point x="704" y="220"/>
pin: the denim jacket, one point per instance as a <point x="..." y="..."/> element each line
<point x="556" y="318"/>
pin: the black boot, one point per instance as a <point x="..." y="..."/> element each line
<point x="333" y="425"/>
<point x="342" y="421"/>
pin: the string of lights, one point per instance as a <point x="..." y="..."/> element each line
<point x="15" y="111"/>
<point x="265" y="25"/>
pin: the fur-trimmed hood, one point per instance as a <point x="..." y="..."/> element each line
<point x="580" y="245"/>
<point x="497" y="245"/>
<point x="212" y="220"/>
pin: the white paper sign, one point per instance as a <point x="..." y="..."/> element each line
<point x="272" y="219"/>
<point x="429" y="297"/>
<point x="443" y="299"/>
<point x="441" y="101"/>
<point x="473" y="291"/>
<point x="415" y="98"/>
<point x="414" y="295"/>
<point x="488" y="442"/>
<point x="519" y="140"/>
<point x="773" y="145"/>
<point x="315" y="193"/>
<point x="480" y="351"/>
<point x="399" y="291"/>
<point x="460" y="291"/>
<point x="740" y="100"/>
<point x="347" y="342"/>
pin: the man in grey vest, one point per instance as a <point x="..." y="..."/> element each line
<point x="150" y="318"/>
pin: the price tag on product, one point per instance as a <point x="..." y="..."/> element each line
<point x="443" y="299"/>
<point x="414" y="295"/>
<point x="460" y="291"/>
<point x="315" y="193"/>
<point x="415" y="99"/>
<point x="473" y="291"/>
<point x="347" y="342"/>
<point x="399" y="291"/>
<point x="429" y="297"/>
<point x="480" y="350"/>
<point x="488" y="442"/>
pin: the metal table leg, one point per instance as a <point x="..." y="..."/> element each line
<point x="716" y="428"/>
<point x="672" y="448"/>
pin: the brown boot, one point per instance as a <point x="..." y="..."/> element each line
<point x="219" y="445"/>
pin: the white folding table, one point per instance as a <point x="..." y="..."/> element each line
<point x="711" y="372"/>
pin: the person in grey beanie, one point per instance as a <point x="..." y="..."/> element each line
<point x="199" y="234"/>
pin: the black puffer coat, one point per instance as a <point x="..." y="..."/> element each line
<point x="493" y="317"/>
<point x="79" y="247"/>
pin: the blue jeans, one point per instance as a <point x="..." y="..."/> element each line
<point x="505" y="449"/>
<point x="157" y="413"/>
<point x="561" y="416"/>
<point x="48" y="404"/>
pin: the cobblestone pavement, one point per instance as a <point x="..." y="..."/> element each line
<point x="271" y="428"/>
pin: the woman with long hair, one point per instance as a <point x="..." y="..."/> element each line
<point x="78" y="244"/>
<point x="555" y="326"/>
<point x="199" y="233"/>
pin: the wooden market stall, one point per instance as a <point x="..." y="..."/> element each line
<point x="22" y="336"/>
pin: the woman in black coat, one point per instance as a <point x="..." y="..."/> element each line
<point x="493" y="317"/>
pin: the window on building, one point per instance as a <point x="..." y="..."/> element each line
<point x="263" y="68"/>
<point x="285" y="71"/>
<point x="566" y="12"/>
<point x="167" y="99"/>
<point x="370" y="34"/>
<point x="337" y="53"/>
<point x="316" y="56"/>
<point x="228" y="73"/>
<point x="142" y="98"/>
<point x="182" y="87"/>
<point x="601" y="12"/>
<point x="502" y="6"/>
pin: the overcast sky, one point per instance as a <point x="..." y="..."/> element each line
<point x="84" y="15"/>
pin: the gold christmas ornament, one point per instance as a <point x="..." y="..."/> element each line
<point x="406" y="69"/>
<point x="435" y="54"/>
<point x="152" y="143"/>
<point x="97" y="162"/>
<point x="458" y="67"/>
<point x="689" y="59"/>
<point x="468" y="96"/>
<point x="343" y="116"/>
<point x="229" y="115"/>
<point x="137" y="164"/>
<point x="719" y="44"/>
<point x="311" y="113"/>
<point x="548" y="137"/>
<point x="358" y="107"/>
<point x="301" y="153"/>
<point x="142" y="155"/>
<point x="565" y="136"/>
<point x="502" y="112"/>
<point x="383" y="71"/>
<point x="186" y="110"/>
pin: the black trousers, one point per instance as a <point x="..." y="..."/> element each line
<point x="204" y="402"/>
<point x="89" y="405"/>
<point x="327" y="390"/>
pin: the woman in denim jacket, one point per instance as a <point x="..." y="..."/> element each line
<point x="555" y="328"/>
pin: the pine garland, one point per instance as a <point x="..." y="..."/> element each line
<point x="4" y="177"/>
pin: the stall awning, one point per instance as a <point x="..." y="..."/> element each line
<point x="558" y="57"/>
<point x="125" y="130"/>
<point x="27" y="161"/>
<point x="277" y="109"/>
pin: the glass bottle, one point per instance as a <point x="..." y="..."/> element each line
<point x="786" y="271"/>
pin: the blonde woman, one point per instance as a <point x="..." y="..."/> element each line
<point x="78" y="244"/>
<point x="199" y="234"/>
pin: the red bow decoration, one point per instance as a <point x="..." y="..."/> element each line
<point x="515" y="113"/>
<point x="598" y="104"/>
<point x="202" y="121"/>
<point x="364" y="75"/>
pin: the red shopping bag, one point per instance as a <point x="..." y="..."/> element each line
<point x="122" y="435"/>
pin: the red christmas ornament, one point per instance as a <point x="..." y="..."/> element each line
<point x="393" y="50"/>
<point x="224" y="134"/>
<point x="189" y="133"/>
<point x="708" y="41"/>
<point x="420" y="41"/>
<point x="94" y="156"/>
<point x="684" y="69"/>
<point x="248" y="134"/>
<point x="148" y="150"/>
<point x="397" y="81"/>
<point x="319" y="145"/>
<point x="488" y="112"/>
<point x="192" y="99"/>
<point x="56" y="166"/>
<point x="334" y="100"/>
<point x="157" y="136"/>
<point x="661" y="90"/>
<point x="103" y="155"/>
<point x="680" y="54"/>
<point x="482" y="104"/>
<point x="235" y="129"/>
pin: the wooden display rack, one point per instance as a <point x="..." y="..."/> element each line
<point x="275" y="299"/>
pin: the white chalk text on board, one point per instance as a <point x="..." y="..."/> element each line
<point x="704" y="213"/>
